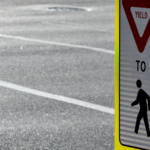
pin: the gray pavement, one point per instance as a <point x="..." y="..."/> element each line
<point x="33" y="122"/>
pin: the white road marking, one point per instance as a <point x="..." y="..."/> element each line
<point x="57" y="43"/>
<point x="56" y="97"/>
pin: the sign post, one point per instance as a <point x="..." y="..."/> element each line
<point x="132" y="75"/>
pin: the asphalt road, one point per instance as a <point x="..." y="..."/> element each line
<point x="63" y="68"/>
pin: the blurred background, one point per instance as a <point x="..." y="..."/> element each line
<point x="57" y="61"/>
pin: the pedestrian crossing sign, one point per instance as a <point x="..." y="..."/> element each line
<point x="132" y="74"/>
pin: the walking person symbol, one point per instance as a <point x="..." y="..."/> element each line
<point x="141" y="100"/>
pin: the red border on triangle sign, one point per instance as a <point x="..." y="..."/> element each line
<point x="140" y="41"/>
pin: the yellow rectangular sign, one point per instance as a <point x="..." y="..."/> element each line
<point x="132" y="74"/>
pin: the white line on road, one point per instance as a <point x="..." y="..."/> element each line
<point x="56" y="97"/>
<point x="57" y="43"/>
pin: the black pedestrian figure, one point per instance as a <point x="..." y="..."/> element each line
<point x="141" y="100"/>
